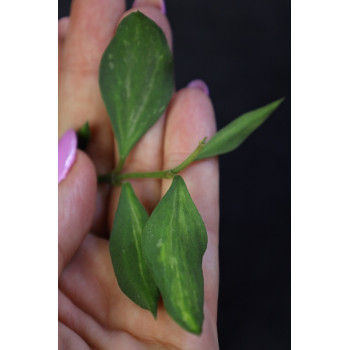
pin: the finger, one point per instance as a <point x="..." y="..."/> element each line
<point x="63" y="25"/>
<point x="190" y="119"/>
<point x="80" y="324"/>
<point x="147" y="154"/>
<point x="76" y="205"/>
<point x="92" y="25"/>
<point x="67" y="339"/>
<point x="77" y="329"/>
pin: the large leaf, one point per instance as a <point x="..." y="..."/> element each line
<point x="232" y="135"/>
<point x="136" y="79"/>
<point x="134" y="277"/>
<point x="174" y="241"/>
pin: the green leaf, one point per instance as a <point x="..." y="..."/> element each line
<point x="174" y="241"/>
<point x="232" y="135"/>
<point x="84" y="136"/>
<point x="134" y="277"/>
<point x="136" y="79"/>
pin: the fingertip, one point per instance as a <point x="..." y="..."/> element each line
<point x="200" y="85"/>
<point x="67" y="149"/>
<point x="160" y="4"/>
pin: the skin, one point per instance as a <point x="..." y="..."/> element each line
<point x="93" y="313"/>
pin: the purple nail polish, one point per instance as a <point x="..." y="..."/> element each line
<point x="199" y="84"/>
<point x="67" y="150"/>
<point x="163" y="7"/>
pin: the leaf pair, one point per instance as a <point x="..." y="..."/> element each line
<point x="161" y="254"/>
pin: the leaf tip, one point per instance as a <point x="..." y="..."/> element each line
<point x="197" y="330"/>
<point x="194" y="327"/>
<point x="154" y="312"/>
<point x="279" y="101"/>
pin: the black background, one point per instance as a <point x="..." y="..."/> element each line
<point x="241" y="49"/>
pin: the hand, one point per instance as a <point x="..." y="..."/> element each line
<point x="93" y="312"/>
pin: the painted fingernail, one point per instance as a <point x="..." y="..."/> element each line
<point x="67" y="150"/>
<point x="199" y="84"/>
<point x="156" y="3"/>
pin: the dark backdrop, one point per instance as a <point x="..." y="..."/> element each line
<point x="241" y="49"/>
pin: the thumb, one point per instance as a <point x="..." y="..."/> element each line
<point x="76" y="197"/>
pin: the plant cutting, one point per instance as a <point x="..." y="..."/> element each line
<point x="158" y="255"/>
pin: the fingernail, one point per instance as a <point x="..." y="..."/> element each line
<point x="200" y="85"/>
<point x="156" y="3"/>
<point x="67" y="150"/>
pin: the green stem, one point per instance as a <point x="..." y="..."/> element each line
<point x="105" y="178"/>
<point x="192" y="157"/>
<point x="115" y="178"/>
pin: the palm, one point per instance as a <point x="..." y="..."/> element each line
<point x="93" y="310"/>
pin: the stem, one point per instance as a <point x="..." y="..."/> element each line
<point x="115" y="178"/>
<point x="105" y="178"/>
<point x="192" y="157"/>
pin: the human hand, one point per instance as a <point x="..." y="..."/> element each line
<point x="93" y="312"/>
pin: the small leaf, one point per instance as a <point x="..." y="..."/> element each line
<point x="83" y="136"/>
<point x="136" y="79"/>
<point x="134" y="277"/>
<point x="232" y="135"/>
<point x="174" y="241"/>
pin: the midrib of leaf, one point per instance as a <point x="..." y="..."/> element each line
<point x="143" y="103"/>
<point x="255" y="121"/>
<point x="139" y="256"/>
<point x="172" y="240"/>
<point x="185" y="315"/>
